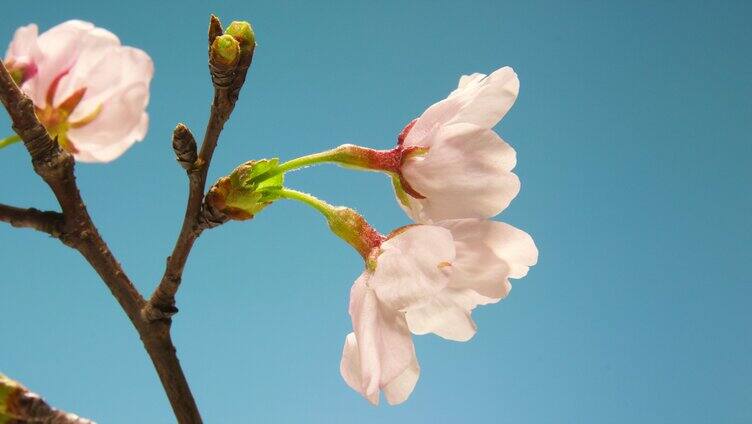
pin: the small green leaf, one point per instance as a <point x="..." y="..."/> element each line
<point x="250" y="188"/>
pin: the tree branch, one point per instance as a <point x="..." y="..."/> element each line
<point x="56" y="167"/>
<point x="227" y="84"/>
<point x="20" y="405"/>
<point x="45" y="221"/>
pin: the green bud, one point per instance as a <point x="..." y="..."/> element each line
<point x="239" y="196"/>
<point x="225" y="51"/>
<point x="243" y="32"/>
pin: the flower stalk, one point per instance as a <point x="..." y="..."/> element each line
<point x="7" y="141"/>
<point x="344" y="222"/>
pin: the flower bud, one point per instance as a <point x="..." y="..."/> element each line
<point x="243" y="32"/>
<point x="184" y="145"/>
<point x="225" y="52"/>
<point x="239" y="197"/>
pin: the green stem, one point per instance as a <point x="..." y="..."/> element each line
<point x="323" y="207"/>
<point x="308" y="160"/>
<point x="347" y="155"/>
<point x="7" y="141"/>
<point x="345" y="223"/>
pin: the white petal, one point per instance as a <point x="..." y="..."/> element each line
<point x="477" y="100"/>
<point x="444" y="316"/>
<point x="399" y="389"/>
<point x="384" y="346"/>
<point x="468" y="79"/>
<point x="465" y="174"/>
<point x="475" y="237"/>
<point x="413" y="266"/>
<point x="349" y="367"/>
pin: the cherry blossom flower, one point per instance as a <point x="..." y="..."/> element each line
<point x="404" y="271"/>
<point x="423" y="279"/>
<point x="454" y="165"/>
<point x="448" y="163"/>
<point x="89" y="91"/>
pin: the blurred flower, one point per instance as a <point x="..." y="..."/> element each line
<point x="89" y="91"/>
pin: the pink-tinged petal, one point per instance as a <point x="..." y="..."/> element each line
<point x="23" y="47"/>
<point x="399" y="389"/>
<point x="413" y="265"/>
<point x="105" y="72"/>
<point x="59" y="48"/>
<point x="478" y="100"/>
<point x="467" y="173"/>
<point x="446" y="315"/>
<point x="383" y="343"/>
<point x="23" y="50"/>
<point x="120" y="123"/>
<point x="108" y="152"/>
<point x="100" y="65"/>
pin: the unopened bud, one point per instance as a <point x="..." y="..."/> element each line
<point x="225" y="52"/>
<point x="243" y="32"/>
<point x="184" y="145"/>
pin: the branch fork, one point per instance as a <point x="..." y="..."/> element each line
<point x="75" y="228"/>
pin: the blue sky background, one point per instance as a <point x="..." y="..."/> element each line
<point x="633" y="137"/>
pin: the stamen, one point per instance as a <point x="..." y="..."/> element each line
<point x="87" y="119"/>
<point x="69" y="104"/>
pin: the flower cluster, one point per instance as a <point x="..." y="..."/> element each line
<point x="89" y="91"/>
<point x="451" y="173"/>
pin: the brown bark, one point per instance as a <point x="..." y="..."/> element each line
<point x="44" y="221"/>
<point x="77" y="230"/>
<point x="227" y="85"/>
